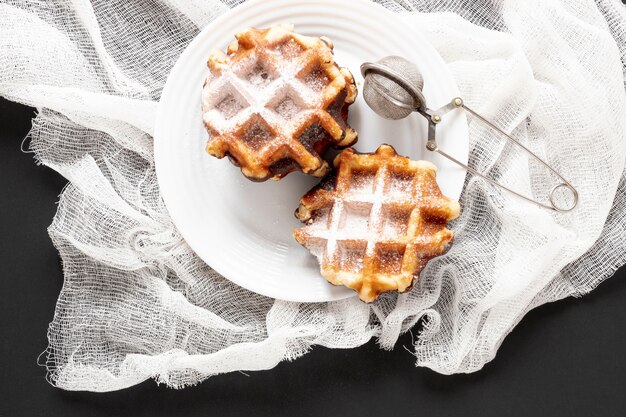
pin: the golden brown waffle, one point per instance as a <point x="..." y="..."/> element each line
<point x="276" y="101"/>
<point x="376" y="222"/>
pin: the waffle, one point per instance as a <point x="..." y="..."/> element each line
<point x="275" y="102"/>
<point x="375" y="223"/>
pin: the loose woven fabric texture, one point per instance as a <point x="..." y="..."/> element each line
<point x="137" y="303"/>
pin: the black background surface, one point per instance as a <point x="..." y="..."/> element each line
<point x="564" y="359"/>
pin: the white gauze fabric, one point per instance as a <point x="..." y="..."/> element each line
<point x="137" y="303"/>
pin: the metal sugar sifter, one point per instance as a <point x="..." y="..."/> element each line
<point x="393" y="89"/>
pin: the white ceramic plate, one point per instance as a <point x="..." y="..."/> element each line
<point x="242" y="229"/>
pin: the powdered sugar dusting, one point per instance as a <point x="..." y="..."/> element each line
<point x="316" y="80"/>
<point x="350" y="255"/>
<point x="320" y="219"/>
<point x="395" y="221"/>
<point x="362" y="183"/>
<point x="390" y="258"/>
<point x="355" y="220"/>
<point x="290" y="49"/>
<point x="257" y="134"/>
<point x="260" y="76"/>
<point x="401" y="185"/>
<point x="287" y="108"/>
<point x="229" y="106"/>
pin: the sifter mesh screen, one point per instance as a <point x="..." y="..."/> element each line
<point x="378" y="86"/>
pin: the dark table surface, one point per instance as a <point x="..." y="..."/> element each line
<point x="564" y="359"/>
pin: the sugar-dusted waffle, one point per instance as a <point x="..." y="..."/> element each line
<point x="276" y="101"/>
<point x="376" y="221"/>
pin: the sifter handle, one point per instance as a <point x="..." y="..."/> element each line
<point x="434" y="118"/>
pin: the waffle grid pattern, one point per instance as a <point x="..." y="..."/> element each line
<point x="379" y="226"/>
<point x="277" y="96"/>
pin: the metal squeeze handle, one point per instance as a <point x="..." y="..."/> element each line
<point x="434" y="118"/>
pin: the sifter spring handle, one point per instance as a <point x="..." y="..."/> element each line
<point x="434" y="117"/>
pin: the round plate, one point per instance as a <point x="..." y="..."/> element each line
<point x="243" y="229"/>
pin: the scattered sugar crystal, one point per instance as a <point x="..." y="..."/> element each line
<point x="320" y="219"/>
<point x="287" y="108"/>
<point x="317" y="248"/>
<point x="362" y="182"/>
<point x="229" y="106"/>
<point x="351" y="255"/>
<point x="401" y="184"/>
<point x="257" y="134"/>
<point x="390" y="260"/>
<point x="259" y="76"/>
<point x="317" y="79"/>
<point x="355" y="220"/>
<point x="290" y="49"/>
<point x="395" y="222"/>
